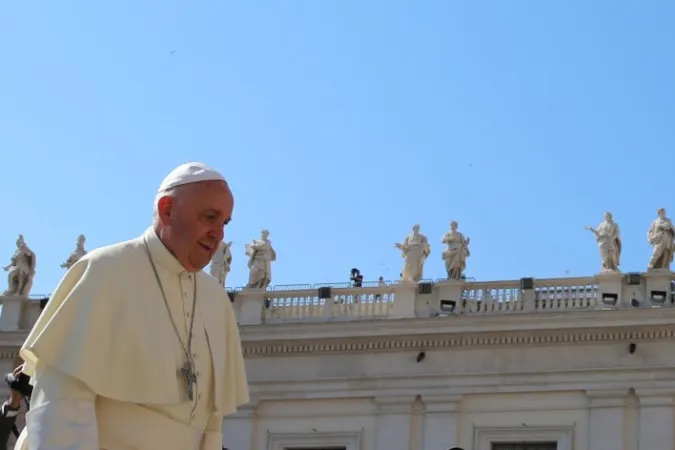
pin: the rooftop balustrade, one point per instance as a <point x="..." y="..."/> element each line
<point x="326" y="302"/>
<point x="380" y="300"/>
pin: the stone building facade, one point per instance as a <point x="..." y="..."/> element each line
<point x="566" y="364"/>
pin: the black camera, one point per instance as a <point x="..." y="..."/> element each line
<point x="19" y="383"/>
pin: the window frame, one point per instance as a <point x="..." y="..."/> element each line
<point x="484" y="437"/>
<point x="283" y="441"/>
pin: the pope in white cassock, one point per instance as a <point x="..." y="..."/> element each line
<point x="137" y="347"/>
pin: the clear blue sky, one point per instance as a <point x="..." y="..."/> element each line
<point x="340" y="124"/>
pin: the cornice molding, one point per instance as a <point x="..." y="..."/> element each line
<point x="13" y="339"/>
<point x="459" y="324"/>
<point x="655" y="397"/>
<point x="427" y="341"/>
<point x="9" y="352"/>
<point x="441" y="404"/>
<point x="438" y="333"/>
<point x="607" y="398"/>
<point x="397" y="404"/>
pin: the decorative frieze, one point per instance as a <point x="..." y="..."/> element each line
<point x="504" y="338"/>
<point x="9" y="353"/>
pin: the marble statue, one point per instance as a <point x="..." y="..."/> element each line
<point x="415" y="249"/>
<point x="661" y="237"/>
<point x="78" y="253"/>
<point x="261" y="255"/>
<point x="221" y="262"/>
<point x="609" y="242"/>
<point x="456" y="252"/>
<point x="21" y="270"/>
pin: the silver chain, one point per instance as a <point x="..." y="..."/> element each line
<point x="186" y="349"/>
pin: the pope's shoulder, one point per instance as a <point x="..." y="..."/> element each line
<point x="115" y="256"/>
<point x="127" y="263"/>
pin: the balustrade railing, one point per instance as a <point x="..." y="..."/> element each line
<point x="491" y="297"/>
<point x="548" y="295"/>
<point x="377" y="300"/>
<point x="342" y="301"/>
<point x="566" y="294"/>
<point x="346" y="303"/>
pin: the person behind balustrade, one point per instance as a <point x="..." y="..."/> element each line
<point x="356" y="278"/>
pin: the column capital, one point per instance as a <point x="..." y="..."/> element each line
<point x="441" y="403"/>
<point x="607" y="398"/>
<point x="13" y="311"/>
<point x="655" y="397"/>
<point x="451" y="283"/>
<point x="251" y="292"/>
<point x="399" y="404"/>
<point x="252" y="306"/>
<point x="247" y="410"/>
<point x="404" y="303"/>
<point x="405" y="286"/>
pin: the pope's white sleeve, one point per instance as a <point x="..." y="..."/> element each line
<point x="213" y="435"/>
<point x="62" y="415"/>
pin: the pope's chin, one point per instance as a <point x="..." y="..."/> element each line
<point x="201" y="256"/>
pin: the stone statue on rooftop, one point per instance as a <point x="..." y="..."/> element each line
<point x="21" y="270"/>
<point x="221" y="262"/>
<point x="456" y="252"/>
<point x="661" y="237"/>
<point x="261" y="254"/>
<point x="609" y="243"/>
<point x="414" y="250"/>
<point x="78" y="253"/>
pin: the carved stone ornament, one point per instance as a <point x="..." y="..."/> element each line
<point x="21" y="270"/>
<point x="608" y="238"/>
<point x="414" y="250"/>
<point x="456" y="252"/>
<point x="78" y="253"/>
<point x="221" y="262"/>
<point x="661" y="236"/>
<point x="261" y="255"/>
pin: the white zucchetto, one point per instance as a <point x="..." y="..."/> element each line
<point x="192" y="172"/>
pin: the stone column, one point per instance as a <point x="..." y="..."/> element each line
<point x="610" y="283"/>
<point x="656" y="410"/>
<point x="236" y="304"/>
<point x="394" y="416"/>
<point x="658" y="280"/>
<point x="440" y="421"/>
<point x="528" y="297"/>
<point x="252" y="306"/>
<point x="404" y="301"/>
<point x="239" y="429"/>
<point x="606" y="411"/>
<point x="12" y="311"/>
<point x="451" y="290"/>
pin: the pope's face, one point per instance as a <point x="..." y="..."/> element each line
<point x="193" y="221"/>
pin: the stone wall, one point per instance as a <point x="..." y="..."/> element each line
<point x="579" y="420"/>
<point x="428" y="384"/>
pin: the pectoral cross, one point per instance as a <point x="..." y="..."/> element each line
<point x="188" y="372"/>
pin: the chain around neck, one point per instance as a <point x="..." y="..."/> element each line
<point x="187" y="349"/>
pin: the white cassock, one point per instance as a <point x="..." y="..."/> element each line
<point x="106" y="360"/>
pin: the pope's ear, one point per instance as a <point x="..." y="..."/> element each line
<point x="164" y="208"/>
